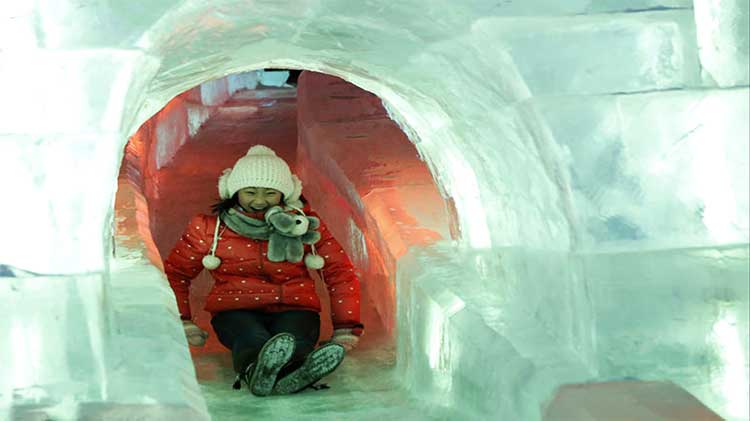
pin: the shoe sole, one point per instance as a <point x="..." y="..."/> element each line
<point x="320" y="363"/>
<point x="276" y="352"/>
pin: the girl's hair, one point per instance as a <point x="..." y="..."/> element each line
<point x="225" y="204"/>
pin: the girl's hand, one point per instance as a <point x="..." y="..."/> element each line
<point x="345" y="338"/>
<point x="195" y="335"/>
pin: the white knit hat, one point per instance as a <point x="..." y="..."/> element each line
<point x="260" y="167"/>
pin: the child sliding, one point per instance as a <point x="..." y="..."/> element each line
<point x="259" y="246"/>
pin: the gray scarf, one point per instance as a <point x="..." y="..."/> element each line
<point x="280" y="247"/>
<point x="245" y="225"/>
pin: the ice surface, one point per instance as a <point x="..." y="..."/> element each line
<point x="596" y="54"/>
<point x="214" y="92"/>
<point x="149" y="367"/>
<point x="45" y="170"/>
<point x="62" y="25"/>
<point x="57" y="352"/>
<point x="472" y="343"/>
<point x="691" y="327"/>
<point x="275" y="78"/>
<point x="724" y="40"/>
<point x="362" y="388"/>
<point x="240" y="81"/>
<point x="93" y="99"/>
<point x="657" y="170"/>
<point x="541" y="193"/>
<point x="172" y="131"/>
<point x="576" y="7"/>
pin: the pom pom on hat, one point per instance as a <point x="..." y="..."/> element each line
<point x="260" y="150"/>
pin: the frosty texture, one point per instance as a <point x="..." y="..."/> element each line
<point x="576" y="55"/>
<point x="724" y="40"/>
<point x="655" y="170"/>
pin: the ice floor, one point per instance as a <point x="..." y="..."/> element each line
<point x="364" y="387"/>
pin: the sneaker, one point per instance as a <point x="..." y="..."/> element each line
<point x="320" y="363"/>
<point x="274" y="355"/>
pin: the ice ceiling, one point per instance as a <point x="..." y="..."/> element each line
<point x="593" y="157"/>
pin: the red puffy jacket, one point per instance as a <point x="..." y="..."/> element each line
<point x="246" y="279"/>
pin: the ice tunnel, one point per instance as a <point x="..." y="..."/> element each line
<point x="547" y="202"/>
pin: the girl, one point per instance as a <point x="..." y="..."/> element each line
<point x="264" y="307"/>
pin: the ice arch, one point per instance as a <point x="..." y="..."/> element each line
<point x="449" y="144"/>
<point x="476" y="112"/>
<point x="356" y="164"/>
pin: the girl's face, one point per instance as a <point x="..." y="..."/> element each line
<point x="258" y="198"/>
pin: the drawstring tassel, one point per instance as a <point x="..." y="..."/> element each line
<point x="210" y="261"/>
<point x="313" y="261"/>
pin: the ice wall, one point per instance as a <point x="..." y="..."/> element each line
<point x="360" y="168"/>
<point x="656" y="170"/>
<point x="495" y="337"/>
<point x="573" y="55"/>
<point x="659" y="186"/>
<point x="462" y="79"/>
<point x="676" y="314"/>
<point x="723" y="40"/>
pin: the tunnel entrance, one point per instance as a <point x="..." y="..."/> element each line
<point x="360" y="173"/>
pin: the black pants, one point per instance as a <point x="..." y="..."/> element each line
<point x="245" y="331"/>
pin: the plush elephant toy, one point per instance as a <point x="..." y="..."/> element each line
<point x="289" y="234"/>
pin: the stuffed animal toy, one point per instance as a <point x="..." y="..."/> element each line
<point x="288" y="235"/>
